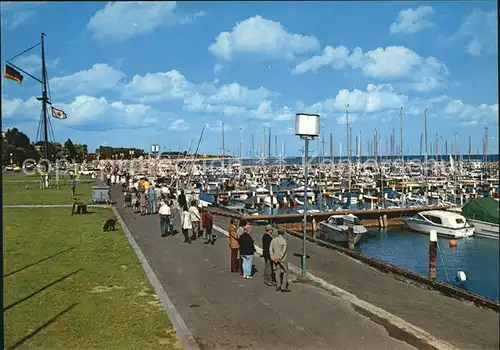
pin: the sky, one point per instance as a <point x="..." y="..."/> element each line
<point x="136" y="74"/>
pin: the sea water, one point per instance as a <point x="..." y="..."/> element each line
<point x="478" y="257"/>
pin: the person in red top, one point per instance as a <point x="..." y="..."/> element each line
<point x="207" y="223"/>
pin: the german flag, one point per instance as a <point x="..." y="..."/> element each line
<point x="13" y="74"/>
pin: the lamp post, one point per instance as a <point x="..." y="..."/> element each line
<point x="10" y="154"/>
<point x="307" y="128"/>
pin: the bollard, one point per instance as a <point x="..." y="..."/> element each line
<point x="384" y="220"/>
<point x="350" y="238"/>
<point x="432" y="254"/>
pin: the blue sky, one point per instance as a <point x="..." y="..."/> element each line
<point x="134" y="74"/>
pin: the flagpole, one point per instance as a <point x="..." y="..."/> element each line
<point x="44" y="101"/>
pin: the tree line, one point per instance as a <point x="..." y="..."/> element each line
<point x="17" y="147"/>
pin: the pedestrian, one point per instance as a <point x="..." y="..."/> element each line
<point x="144" y="203"/>
<point x="207" y="224"/>
<point x="247" y="249"/>
<point x="278" y="253"/>
<point x="73" y="185"/>
<point x="233" y="245"/>
<point x="195" y="218"/>
<point x="266" y="243"/>
<point x="181" y="200"/>
<point x="165" y="216"/>
<point x="186" y="224"/>
<point x="239" y="231"/>
<point x="152" y="201"/>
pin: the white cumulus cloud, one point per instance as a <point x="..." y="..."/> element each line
<point x="98" y="78"/>
<point x="121" y="20"/>
<point x="412" y="21"/>
<point x="257" y="35"/>
<point x="383" y="63"/>
<point x="480" y="30"/>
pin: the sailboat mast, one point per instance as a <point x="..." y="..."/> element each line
<point x="223" y="146"/>
<point x="402" y="145"/>
<point x="425" y="132"/>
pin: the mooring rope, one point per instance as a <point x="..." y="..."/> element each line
<point x="442" y="260"/>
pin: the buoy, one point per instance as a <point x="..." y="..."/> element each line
<point x="461" y="276"/>
<point x="453" y="243"/>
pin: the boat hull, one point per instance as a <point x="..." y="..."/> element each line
<point x="423" y="227"/>
<point x="341" y="234"/>
<point x="485" y="229"/>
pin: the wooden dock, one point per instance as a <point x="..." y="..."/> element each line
<point x="361" y="214"/>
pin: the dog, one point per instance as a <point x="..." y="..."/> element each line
<point x="109" y="225"/>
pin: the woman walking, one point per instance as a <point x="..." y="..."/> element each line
<point x="144" y="203"/>
<point x="233" y="245"/>
<point x="247" y="249"/>
<point x="186" y="224"/>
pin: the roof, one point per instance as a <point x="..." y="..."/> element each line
<point x="483" y="209"/>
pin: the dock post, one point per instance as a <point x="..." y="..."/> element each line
<point x="384" y="220"/>
<point x="313" y="224"/>
<point x="380" y="222"/>
<point x="350" y="238"/>
<point x="432" y="254"/>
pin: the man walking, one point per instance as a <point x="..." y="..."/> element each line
<point x="207" y="226"/>
<point x="278" y="253"/>
<point x="165" y="216"/>
<point x="73" y="185"/>
<point x="266" y="243"/>
<point x="195" y="218"/>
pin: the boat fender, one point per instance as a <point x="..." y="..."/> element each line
<point x="461" y="276"/>
<point x="453" y="243"/>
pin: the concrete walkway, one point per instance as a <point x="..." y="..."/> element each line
<point x="459" y="323"/>
<point x="224" y="311"/>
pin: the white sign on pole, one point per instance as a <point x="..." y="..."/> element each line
<point x="155" y="148"/>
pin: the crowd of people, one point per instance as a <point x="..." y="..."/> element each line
<point x="148" y="197"/>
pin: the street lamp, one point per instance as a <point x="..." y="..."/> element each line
<point x="307" y="128"/>
<point x="10" y="158"/>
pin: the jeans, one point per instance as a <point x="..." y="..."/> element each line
<point x="152" y="206"/>
<point x="164" y="225"/>
<point x="247" y="265"/>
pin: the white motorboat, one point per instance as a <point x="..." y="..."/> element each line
<point x="335" y="228"/>
<point x="445" y="223"/>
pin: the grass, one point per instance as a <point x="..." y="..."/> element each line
<point x="20" y="189"/>
<point x="68" y="285"/>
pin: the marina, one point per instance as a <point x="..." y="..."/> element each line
<point x="394" y="206"/>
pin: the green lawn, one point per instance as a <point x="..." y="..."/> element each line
<point x="26" y="192"/>
<point x="68" y="285"/>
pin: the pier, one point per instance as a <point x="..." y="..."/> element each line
<point x="361" y="214"/>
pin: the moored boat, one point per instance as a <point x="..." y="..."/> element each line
<point x="336" y="229"/>
<point x="446" y="223"/>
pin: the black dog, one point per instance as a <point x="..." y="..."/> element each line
<point x="109" y="225"/>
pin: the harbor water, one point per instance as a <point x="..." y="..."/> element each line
<point x="478" y="257"/>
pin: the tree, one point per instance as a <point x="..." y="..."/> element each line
<point x="16" y="138"/>
<point x="71" y="150"/>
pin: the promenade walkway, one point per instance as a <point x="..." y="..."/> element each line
<point x="224" y="311"/>
<point x="460" y="323"/>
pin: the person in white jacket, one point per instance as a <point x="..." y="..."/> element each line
<point x="186" y="224"/>
<point x="195" y="216"/>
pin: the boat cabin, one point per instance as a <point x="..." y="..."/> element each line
<point x="444" y="218"/>
<point x="339" y="220"/>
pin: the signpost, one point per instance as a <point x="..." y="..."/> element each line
<point x="349" y="222"/>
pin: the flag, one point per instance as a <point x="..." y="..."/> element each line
<point x="58" y="113"/>
<point x="12" y="74"/>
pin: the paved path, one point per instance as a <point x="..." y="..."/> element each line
<point x="460" y="323"/>
<point x="224" y="311"/>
